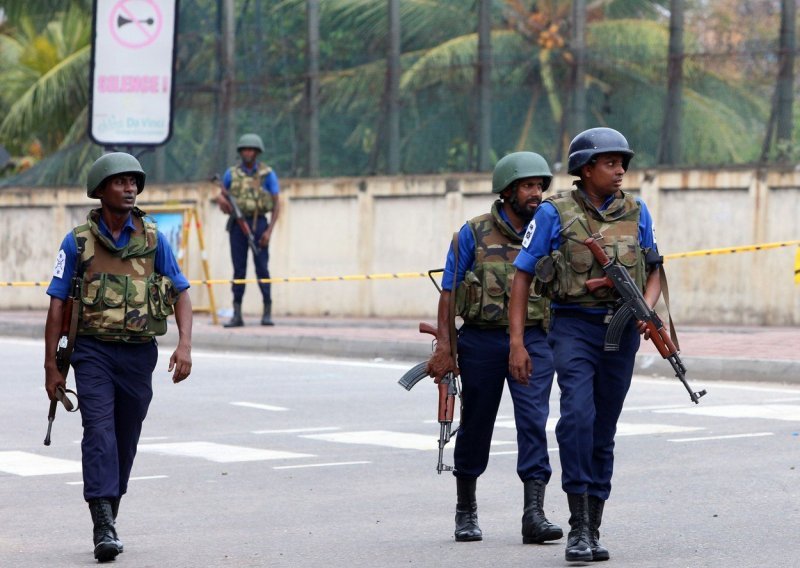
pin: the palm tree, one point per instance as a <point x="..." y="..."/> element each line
<point x="44" y="74"/>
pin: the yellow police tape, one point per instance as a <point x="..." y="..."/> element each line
<point x="396" y="275"/>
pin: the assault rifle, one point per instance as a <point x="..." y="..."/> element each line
<point x="66" y="343"/>
<point x="238" y="217"/>
<point x="448" y="390"/>
<point x="634" y="305"/>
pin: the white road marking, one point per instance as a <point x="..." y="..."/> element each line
<point x="148" y="438"/>
<point x="26" y="464"/>
<point x="298" y="430"/>
<point x="628" y="429"/>
<point x="515" y="452"/>
<point x="728" y="437"/>
<point x="304" y="360"/>
<point x="260" y="406"/>
<point x="220" y="453"/>
<point x="788" y="412"/>
<point x="319" y="465"/>
<point x="623" y="428"/>
<point x="385" y="438"/>
<point x="140" y="478"/>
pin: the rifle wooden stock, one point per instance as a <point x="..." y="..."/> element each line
<point x="425" y="327"/>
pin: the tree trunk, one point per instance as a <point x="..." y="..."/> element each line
<point x="669" y="150"/>
<point x="785" y="86"/>
<point x="577" y="110"/>
<point x="312" y="87"/>
<point x="226" y="101"/>
<point x="393" y="90"/>
<point x="484" y="80"/>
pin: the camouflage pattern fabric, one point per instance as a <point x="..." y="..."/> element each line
<point x="122" y="297"/>
<point x="483" y="296"/>
<point x="249" y="192"/>
<point x="574" y="263"/>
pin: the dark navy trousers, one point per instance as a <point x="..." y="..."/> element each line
<point x="114" y="385"/>
<point x="483" y="360"/>
<point x="593" y="385"/>
<point x="239" y="252"/>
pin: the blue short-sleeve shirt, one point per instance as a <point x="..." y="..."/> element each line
<point x="67" y="259"/>
<point x="270" y="180"/>
<point x="466" y="254"/>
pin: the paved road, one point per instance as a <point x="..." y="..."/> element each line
<point x="291" y="462"/>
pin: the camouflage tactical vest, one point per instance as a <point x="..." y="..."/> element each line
<point x="249" y="192"/>
<point x="122" y="297"/>
<point x="482" y="297"/>
<point x="574" y="263"/>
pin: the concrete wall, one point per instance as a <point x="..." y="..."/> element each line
<point x="348" y="226"/>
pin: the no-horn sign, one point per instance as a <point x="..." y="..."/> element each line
<point x="133" y="60"/>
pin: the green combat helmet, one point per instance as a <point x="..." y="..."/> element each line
<point x="519" y="165"/>
<point x="250" y="140"/>
<point x="113" y="164"/>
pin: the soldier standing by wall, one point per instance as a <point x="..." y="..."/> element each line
<point x="254" y="186"/>
<point x="593" y="381"/>
<point x="481" y="280"/>
<point x="129" y="283"/>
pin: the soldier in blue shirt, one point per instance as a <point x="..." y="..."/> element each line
<point x="254" y="186"/>
<point x="477" y="289"/>
<point x="593" y="381"/>
<point x="127" y="283"/>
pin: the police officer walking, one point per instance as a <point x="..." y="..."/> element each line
<point x="593" y="382"/>
<point x="254" y="186"/>
<point x="476" y="286"/>
<point x="128" y="283"/>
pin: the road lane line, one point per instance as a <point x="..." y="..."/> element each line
<point x="788" y="412"/>
<point x="140" y="478"/>
<point x="26" y="464"/>
<point x="386" y="438"/>
<point x="220" y="453"/>
<point x="260" y="406"/>
<point x="298" y="430"/>
<point x="303" y="360"/>
<point x="331" y="464"/>
<point x="728" y="437"/>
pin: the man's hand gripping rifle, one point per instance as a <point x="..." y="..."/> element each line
<point x="448" y="390"/>
<point x="633" y="304"/>
<point x="237" y="215"/>
<point x="66" y="343"/>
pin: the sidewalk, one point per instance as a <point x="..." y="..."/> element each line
<point x="738" y="353"/>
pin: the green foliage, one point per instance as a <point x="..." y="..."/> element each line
<point x="45" y="51"/>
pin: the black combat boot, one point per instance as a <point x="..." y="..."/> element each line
<point x="578" y="549"/>
<point x="536" y="529"/>
<point x="467" y="528"/>
<point x="236" y="320"/>
<point x="266" y="319"/>
<point x="599" y="552"/>
<point x="114" y="513"/>
<point x="106" y="544"/>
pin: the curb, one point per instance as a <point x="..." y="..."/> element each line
<point x="698" y="368"/>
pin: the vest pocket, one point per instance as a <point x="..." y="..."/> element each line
<point x="468" y="297"/>
<point x="161" y="296"/>
<point x="627" y="252"/>
<point x="136" y="296"/>
<point x="494" y="293"/>
<point x="103" y="301"/>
